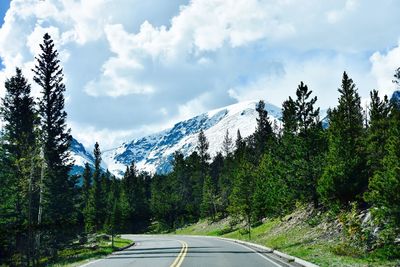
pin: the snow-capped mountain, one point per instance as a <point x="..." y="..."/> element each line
<point x="80" y="156"/>
<point x="154" y="153"/>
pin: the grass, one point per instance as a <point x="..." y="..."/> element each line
<point x="300" y="237"/>
<point x="81" y="255"/>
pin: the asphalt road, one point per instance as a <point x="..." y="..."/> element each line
<point x="177" y="251"/>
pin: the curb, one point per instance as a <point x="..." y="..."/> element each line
<point x="123" y="248"/>
<point x="282" y="255"/>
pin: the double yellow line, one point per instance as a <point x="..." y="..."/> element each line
<point x="181" y="256"/>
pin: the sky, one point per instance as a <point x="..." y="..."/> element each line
<point x="135" y="67"/>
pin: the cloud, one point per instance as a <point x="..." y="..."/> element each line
<point x="383" y="69"/>
<point x="322" y="74"/>
<point x="334" y="16"/>
<point x="133" y="67"/>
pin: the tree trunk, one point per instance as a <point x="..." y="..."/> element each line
<point x="249" y="226"/>
<point x="40" y="211"/>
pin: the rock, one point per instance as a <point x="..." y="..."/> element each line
<point x="92" y="246"/>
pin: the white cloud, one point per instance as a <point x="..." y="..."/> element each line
<point x="108" y="138"/>
<point x="334" y="16"/>
<point x="383" y="69"/>
<point x="321" y="74"/>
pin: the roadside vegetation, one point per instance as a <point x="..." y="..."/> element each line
<point x="306" y="233"/>
<point x="97" y="246"/>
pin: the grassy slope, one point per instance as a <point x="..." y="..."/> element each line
<point x="312" y="240"/>
<point x="79" y="256"/>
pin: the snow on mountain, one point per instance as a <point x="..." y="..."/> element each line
<point x="80" y="157"/>
<point x="154" y="153"/>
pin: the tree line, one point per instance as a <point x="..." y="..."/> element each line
<point x="355" y="158"/>
<point x="351" y="158"/>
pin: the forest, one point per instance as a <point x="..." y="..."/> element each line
<point x="353" y="160"/>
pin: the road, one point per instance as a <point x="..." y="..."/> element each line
<point x="184" y="251"/>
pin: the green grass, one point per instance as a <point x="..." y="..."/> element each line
<point x="302" y="239"/>
<point x="81" y="255"/>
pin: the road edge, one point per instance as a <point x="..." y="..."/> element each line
<point x="126" y="247"/>
<point x="282" y="255"/>
<point x="105" y="256"/>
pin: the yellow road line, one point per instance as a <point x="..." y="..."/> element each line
<point x="181" y="256"/>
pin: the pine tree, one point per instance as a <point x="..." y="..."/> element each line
<point x="384" y="187"/>
<point x="344" y="176"/>
<point x="58" y="187"/>
<point x="87" y="183"/>
<point x="307" y="116"/>
<point x="208" y="205"/>
<point x="310" y="144"/>
<point x="95" y="207"/>
<point x="202" y="147"/>
<point x="20" y="147"/>
<point x="227" y="144"/>
<point x="377" y="132"/>
<point x="241" y="198"/>
<point x="289" y="117"/>
<point x="225" y="183"/>
<point x="272" y="195"/>
<point x="239" y="144"/>
<point x="263" y="135"/>
<point x="113" y="217"/>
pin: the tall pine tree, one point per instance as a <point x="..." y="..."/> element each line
<point x="263" y="135"/>
<point x="377" y="132"/>
<point x="344" y="176"/>
<point x="95" y="208"/>
<point x="58" y="210"/>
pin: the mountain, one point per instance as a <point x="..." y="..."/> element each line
<point x="154" y="153"/>
<point x="396" y="98"/>
<point x="80" y="156"/>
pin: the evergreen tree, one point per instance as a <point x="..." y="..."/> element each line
<point x="113" y="217"/>
<point x="307" y="116"/>
<point x="377" y="132"/>
<point x="272" y="195"/>
<point x="344" y="176"/>
<point x="310" y="144"/>
<point x="58" y="187"/>
<point x="241" y="198"/>
<point x="196" y="171"/>
<point x="202" y="148"/>
<point x="289" y="117"/>
<point x="227" y="144"/>
<point x="384" y="187"/>
<point x="87" y="182"/>
<point x="94" y="208"/>
<point x="225" y="183"/>
<point x="263" y="135"/>
<point x="239" y="144"/>
<point x="208" y="206"/>
<point x="20" y="149"/>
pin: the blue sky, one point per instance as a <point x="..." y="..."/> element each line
<point x="135" y="67"/>
<point x="4" y="5"/>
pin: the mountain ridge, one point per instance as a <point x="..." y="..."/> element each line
<point x="153" y="153"/>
